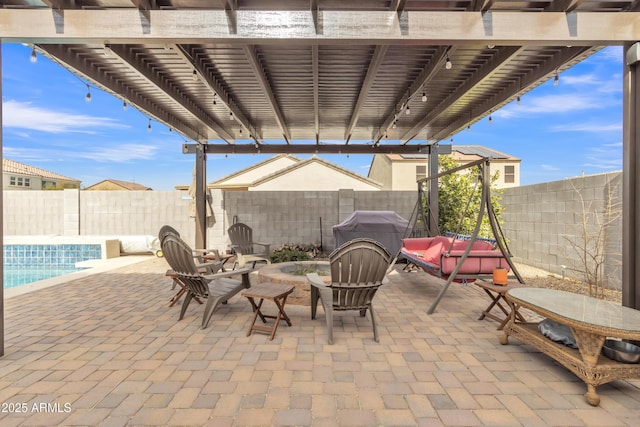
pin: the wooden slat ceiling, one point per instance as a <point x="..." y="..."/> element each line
<point x="321" y="88"/>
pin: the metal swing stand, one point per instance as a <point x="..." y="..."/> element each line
<point x="485" y="208"/>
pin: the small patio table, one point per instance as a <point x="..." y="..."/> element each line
<point x="497" y="294"/>
<point x="276" y="292"/>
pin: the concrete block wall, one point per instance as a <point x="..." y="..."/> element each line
<point x="540" y="221"/>
<point x="33" y="212"/>
<point x="115" y="213"/>
<point x="281" y="217"/>
<point x="537" y="219"/>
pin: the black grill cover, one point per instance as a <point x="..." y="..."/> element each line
<point x="387" y="227"/>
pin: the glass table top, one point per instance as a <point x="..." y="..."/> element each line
<point x="580" y="308"/>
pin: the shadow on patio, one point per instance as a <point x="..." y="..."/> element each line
<point x="107" y="350"/>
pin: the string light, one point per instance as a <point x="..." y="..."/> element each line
<point x="424" y="96"/>
<point x="214" y="98"/>
<point x="518" y="100"/>
<point x="149" y="126"/>
<point x="34" y="57"/>
<point x="124" y="105"/>
<point x="194" y="76"/>
<point x="469" y="127"/>
<point x="556" y="79"/>
<point x="448" y="65"/>
<point x="408" y="111"/>
<point x="490" y="119"/>
<point x="231" y="115"/>
<point x="393" y="125"/>
<point x="107" y="50"/>
<point x="88" y="96"/>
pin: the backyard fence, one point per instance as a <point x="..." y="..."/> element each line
<point x="542" y="222"/>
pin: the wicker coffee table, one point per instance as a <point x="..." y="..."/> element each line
<point x="591" y="321"/>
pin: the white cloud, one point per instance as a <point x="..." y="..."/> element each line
<point x="122" y="153"/>
<point x="24" y="115"/>
<point x="587" y="127"/>
<point x="551" y="104"/>
<point x="549" y="168"/>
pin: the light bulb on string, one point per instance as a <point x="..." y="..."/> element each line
<point x="408" y="110"/>
<point x="34" y="56"/>
<point x="194" y="75"/>
<point x="518" y="100"/>
<point x="556" y="79"/>
<point x="231" y="115"/>
<point x="88" y="96"/>
<point x="124" y="105"/>
<point x="424" y="96"/>
<point x="149" y="126"/>
<point x="107" y="50"/>
<point x="448" y="65"/>
<point x="490" y="119"/>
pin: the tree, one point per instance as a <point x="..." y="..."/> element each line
<point x="590" y="239"/>
<point x="459" y="199"/>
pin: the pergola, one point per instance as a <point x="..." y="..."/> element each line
<point x="333" y="76"/>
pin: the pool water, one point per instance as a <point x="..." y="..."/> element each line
<point x="16" y="276"/>
<point x="27" y="263"/>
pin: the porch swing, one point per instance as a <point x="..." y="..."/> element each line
<point x="453" y="256"/>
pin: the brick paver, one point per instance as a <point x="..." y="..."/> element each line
<point x="107" y="350"/>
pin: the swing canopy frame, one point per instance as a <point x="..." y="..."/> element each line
<point x="457" y="257"/>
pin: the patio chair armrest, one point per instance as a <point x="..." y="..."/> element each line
<point x="242" y="271"/>
<point x="314" y="280"/>
<point x="265" y="245"/>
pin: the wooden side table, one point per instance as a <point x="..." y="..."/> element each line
<point x="276" y="292"/>
<point x="497" y="294"/>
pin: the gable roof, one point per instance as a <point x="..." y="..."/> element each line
<point x="11" y="166"/>
<point x="314" y="159"/>
<point x="124" y="184"/>
<point x="255" y="168"/>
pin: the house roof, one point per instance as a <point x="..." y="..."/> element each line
<point x="464" y="150"/>
<point x="221" y="181"/>
<point x="11" y="166"/>
<point x="132" y="186"/>
<point x="315" y="159"/>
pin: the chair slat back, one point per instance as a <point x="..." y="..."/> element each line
<point x="359" y="261"/>
<point x="241" y="235"/>
<point x="180" y="258"/>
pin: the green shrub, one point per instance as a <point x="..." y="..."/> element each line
<point x="294" y="252"/>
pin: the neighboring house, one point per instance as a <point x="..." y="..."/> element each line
<point x="288" y="173"/>
<point x="401" y="171"/>
<point x="18" y="176"/>
<point x="114" y="184"/>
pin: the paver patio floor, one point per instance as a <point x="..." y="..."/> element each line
<point x="107" y="350"/>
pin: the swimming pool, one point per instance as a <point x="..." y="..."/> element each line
<point x="30" y="263"/>
<point x="17" y="276"/>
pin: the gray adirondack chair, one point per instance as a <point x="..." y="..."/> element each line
<point x="246" y="250"/>
<point x="358" y="269"/>
<point x="215" y="288"/>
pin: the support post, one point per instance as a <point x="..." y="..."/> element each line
<point x="1" y="230"/>
<point x="631" y="177"/>
<point x="201" y="203"/>
<point x="433" y="218"/>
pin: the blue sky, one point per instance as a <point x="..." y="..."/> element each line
<point x="558" y="131"/>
